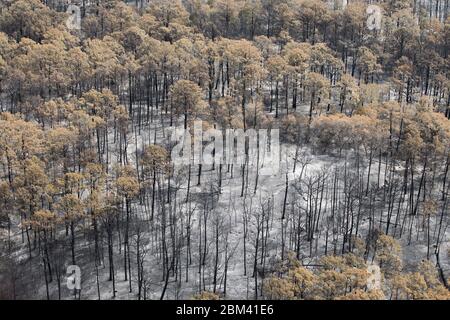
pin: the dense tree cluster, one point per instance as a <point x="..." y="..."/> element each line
<point x="347" y="277"/>
<point x="86" y="176"/>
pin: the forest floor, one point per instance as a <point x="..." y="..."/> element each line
<point x="230" y="207"/>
